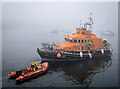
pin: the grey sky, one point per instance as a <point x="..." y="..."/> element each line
<point x="49" y="16"/>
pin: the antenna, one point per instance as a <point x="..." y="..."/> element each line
<point x="80" y="22"/>
<point x="91" y="21"/>
<point x="91" y="13"/>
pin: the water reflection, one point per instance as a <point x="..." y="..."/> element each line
<point x="82" y="71"/>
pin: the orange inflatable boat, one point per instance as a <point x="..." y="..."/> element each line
<point x="26" y="73"/>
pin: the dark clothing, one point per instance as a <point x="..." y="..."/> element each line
<point x="104" y="41"/>
<point x="51" y="48"/>
<point x="89" y="46"/>
<point x="32" y="66"/>
<point x="36" y="68"/>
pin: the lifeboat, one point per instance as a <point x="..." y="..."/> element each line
<point x="27" y="73"/>
<point x="81" y="44"/>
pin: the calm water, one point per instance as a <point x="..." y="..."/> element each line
<point x="100" y="72"/>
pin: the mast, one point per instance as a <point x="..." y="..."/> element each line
<point x="80" y="23"/>
<point x="90" y="21"/>
<point x="90" y="24"/>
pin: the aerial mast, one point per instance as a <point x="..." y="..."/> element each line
<point x="80" y="23"/>
<point x="90" y="21"/>
<point x="90" y="24"/>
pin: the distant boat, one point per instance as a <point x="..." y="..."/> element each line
<point x="108" y="33"/>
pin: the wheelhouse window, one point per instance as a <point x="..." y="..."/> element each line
<point x="67" y="39"/>
<point x="88" y="40"/>
<point x="78" y="40"/>
<point x="91" y="40"/>
<point x="82" y="33"/>
<point x="82" y="41"/>
<point x="85" y="40"/>
<point x="71" y="41"/>
<point x="75" y="41"/>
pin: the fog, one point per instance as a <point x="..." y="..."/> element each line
<point x="27" y="25"/>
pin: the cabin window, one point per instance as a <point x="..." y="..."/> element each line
<point x="88" y="40"/>
<point x="66" y="39"/>
<point x="82" y="41"/>
<point x="75" y="41"/>
<point x="91" y="40"/>
<point x="85" y="40"/>
<point x="82" y="33"/>
<point x="71" y="41"/>
<point x="78" y="40"/>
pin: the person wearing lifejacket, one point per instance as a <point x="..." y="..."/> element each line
<point x="89" y="46"/>
<point x="33" y="66"/>
<point x="51" y="48"/>
<point x="105" y="43"/>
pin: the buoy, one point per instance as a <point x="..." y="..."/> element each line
<point x="90" y="55"/>
<point x="59" y="55"/>
<point x="102" y="51"/>
<point x="110" y="50"/>
<point x="81" y="54"/>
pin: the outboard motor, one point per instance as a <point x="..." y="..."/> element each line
<point x="18" y="73"/>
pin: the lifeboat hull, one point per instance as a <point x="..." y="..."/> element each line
<point x="74" y="55"/>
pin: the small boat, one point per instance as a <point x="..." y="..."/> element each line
<point x="107" y="33"/>
<point x="41" y="69"/>
<point x="27" y="73"/>
<point x="81" y="44"/>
